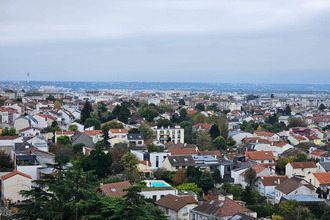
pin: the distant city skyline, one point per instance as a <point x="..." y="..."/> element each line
<point x="166" y="41"/>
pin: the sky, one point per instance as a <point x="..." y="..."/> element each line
<point x="232" y="41"/>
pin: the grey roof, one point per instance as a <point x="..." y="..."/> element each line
<point x="302" y="198"/>
<point x="240" y="168"/>
<point x="326" y="166"/>
<point x="241" y="216"/>
<point x="135" y="137"/>
<point x="186" y="160"/>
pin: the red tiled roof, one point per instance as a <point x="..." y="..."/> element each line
<point x="28" y="128"/>
<point x="9" y="175"/>
<point x="173" y="202"/>
<point x="145" y="162"/>
<point x="308" y="164"/>
<point x="272" y="180"/>
<point x="191" y="112"/>
<point x="93" y="132"/>
<point x="120" y="130"/>
<point x="318" y="152"/>
<point x="258" y="168"/>
<point x="182" y="151"/>
<point x="149" y="141"/>
<point x="115" y="189"/>
<point x="203" y="126"/>
<point x="259" y="155"/>
<point x="64" y="132"/>
<point x="264" y="133"/>
<point x="281" y="144"/>
<point x="323" y="178"/>
<point x="41" y="115"/>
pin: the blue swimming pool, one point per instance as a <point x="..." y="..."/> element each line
<point x="157" y="184"/>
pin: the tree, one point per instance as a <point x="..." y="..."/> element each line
<point x="200" y="107"/>
<point x="133" y="131"/>
<point x="63" y="140"/>
<point x="149" y="114"/>
<point x="73" y="128"/>
<point x="162" y="108"/>
<point x="115" y="125"/>
<point x="287" y="110"/>
<point x="213" y="107"/>
<point x="236" y="190"/>
<point x="161" y="173"/>
<point x="214" y="131"/>
<point x="64" y="194"/>
<point x="99" y="162"/>
<point x="247" y="196"/>
<point x="216" y="175"/>
<point x="198" y="118"/>
<point x="203" y="140"/>
<point x="57" y="104"/>
<point x="9" y="132"/>
<point x="296" y="122"/>
<point x="220" y="143"/>
<point x="153" y="148"/>
<point x="146" y="131"/>
<point x="301" y="157"/>
<point x="271" y="96"/>
<point x="189" y="186"/>
<point x="193" y="174"/>
<point x="129" y="162"/>
<point x="6" y="163"/>
<point x="51" y="98"/>
<point x="206" y="182"/>
<point x="181" y="102"/>
<point x="86" y="111"/>
<point x="62" y="153"/>
<point x="118" y="151"/>
<point x="223" y="126"/>
<point x="250" y="176"/>
<point x="122" y="111"/>
<point x="322" y="107"/>
<point x="251" y="97"/>
<point x="78" y="148"/>
<point x="179" y="177"/>
<point x="286" y="207"/>
<point x="164" y="123"/>
<point x="183" y="115"/>
<point x="93" y="122"/>
<point x="231" y="141"/>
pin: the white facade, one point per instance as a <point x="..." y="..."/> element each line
<point x="302" y="190"/>
<point x="290" y="171"/>
<point x="156" y="194"/>
<point x="11" y="187"/>
<point x="176" y="134"/>
<point x="31" y="170"/>
<point x="156" y="158"/>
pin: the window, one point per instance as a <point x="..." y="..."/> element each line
<point x="166" y="211"/>
<point x="262" y="161"/>
<point x="154" y="197"/>
<point x="183" y="167"/>
<point x="270" y="161"/>
<point x="185" y="211"/>
<point x="177" y="167"/>
<point x="157" y="161"/>
<point x="139" y="142"/>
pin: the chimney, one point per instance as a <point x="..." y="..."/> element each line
<point x="257" y="141"/>
<point x="221" y="197"/>
<point x="230" y="196"/>
<point x="278" y="181"/>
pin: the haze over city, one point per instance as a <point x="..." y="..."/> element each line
<point x="166" y="41"/>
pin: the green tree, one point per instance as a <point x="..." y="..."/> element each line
<point x="223" y="126"/>
<point x="193" y="174"/>
<point x="200" y="107"/>
<point x="161" y="173"/>
<point x="146" y="131"/>
<point x="213" y="107"/>
<point x="164" y="123"/>
<point x="286" y="207"/>
<point x="231" y="141"/>
<point x="287" y="110"/>
<point x="181" y="102"/>
<point x="250" y="176"/>
<point x="86" y="111"/>
<point x="89" y="122"/>
<point x="153" y="148"/>
<point x="115" y="125"/>
<point x="301" y="157"/>
<point x="122" y="111"/>
<point x="236" y="190"/>
<point x="216" y="175"/>
<point x="78" y="148"/>
<point x="162" y="108"/>
<point x="9" y="132"/>
<point x="64" y="140"/>
<point x="99" y="162"/>
<point x="51" y="98"/>
<point x="296" y="122"/>
<point x="214" y="131"/>
<point x="206" y="182"/>
<point x="6" y="163"/>
<point x="129" y="162"/>
<point x="64" y="194"/>
<point x="203" y="140"/>
<point x="183" y="115"/>
<point x="322" y="107"/>
<point x="198" y="118"/>
<point x="189" y="186"/>
<point x="73" y="128"/>
<point x="133" y="131"/>
<point x="149" y="114"/>
<point x="220" y="143"/>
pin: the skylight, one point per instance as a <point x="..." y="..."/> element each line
<point x="113" y="190"/>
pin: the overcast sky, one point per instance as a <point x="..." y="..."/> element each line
<point x="264" y="41"/>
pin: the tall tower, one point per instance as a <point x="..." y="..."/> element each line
<point x="28" y="77"/>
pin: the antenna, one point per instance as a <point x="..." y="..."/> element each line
<point x="28" y="77"/>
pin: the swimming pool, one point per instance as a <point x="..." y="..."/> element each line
<point x="157" y="184"/>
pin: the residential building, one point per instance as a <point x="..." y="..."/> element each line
<point x="157" y="189"/>
<point x="175" y="163"/>
<point x="12" y="184"/>
<point x="301" y="169"/>
<point x="114" y="189"/>
<point x="264" y="158"/>
<point x="135" y="140"/>
<point x="174" y="134"/>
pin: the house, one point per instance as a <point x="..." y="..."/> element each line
<point x="30" y="131"/>
<point x="284" y="119"/>
<point x="302" y="199"/>
<point x="42" y="120"/>
<point x="176" y="207"/>
<point x="313" y="139"/>
<point x="238" y="136"/>
<point x="144" y="167"/>
<point x="174" y="134"/>
<point x="114" y="189"/>
<point x="39" y="143"/>
<point x="182" y="151"/>
<point x="276" y="148"/>
<point x="175" y="163"/>
<point x="12" y="184"/>
<point x="202" y="126"/>
<point x="25" y="122"/>
<point x="78" y="138"/>
<point x="266" y="135"/>
<point x="96" y="135"/>
<point x="316" y="154"/>
<point x="120" y="134"/>
<point x="264" y="158"/>
<point x="7" y="143"/>
<point x="260" y="171"/>
<point x="206" y="162"/>
<point x="302" y="169"/>
<point x="156" y="189"/>
<point x="135" y="140"/>
<point x="323" y="167"/>
<point x="222" y="207"/>
<point x="294" y="186"/>
<point x="296" y="139"/>
<point x="266" y="185"/>
<point x="321" y="180"/>
<point x="156" y="158"/>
